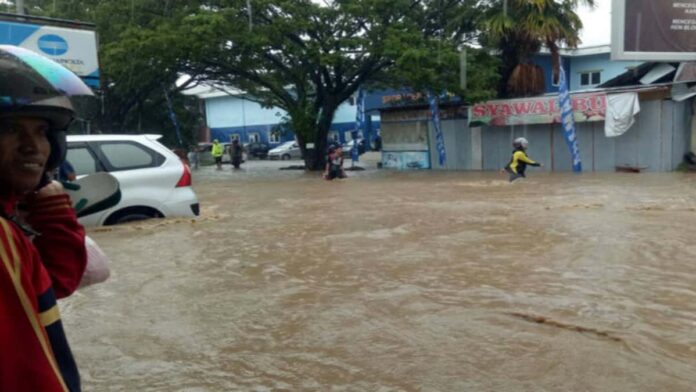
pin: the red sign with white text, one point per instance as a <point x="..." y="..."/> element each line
<point x="538" y="110"/>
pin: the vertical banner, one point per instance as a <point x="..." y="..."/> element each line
<point x="568" y="122"/>
<point x="172" y="116"/>
<point x="439" y="139"/>
<point x="359" y="123"/>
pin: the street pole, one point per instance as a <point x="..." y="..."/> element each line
<point x="249" y="12"/>
<point x="20" y="7"/>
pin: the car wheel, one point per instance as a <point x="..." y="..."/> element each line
<point x="132" y="214"/>
<point x="286" y="157"/>
<point x="132" y="218"/>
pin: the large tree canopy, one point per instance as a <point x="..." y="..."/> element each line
<point x="308" y="58"/>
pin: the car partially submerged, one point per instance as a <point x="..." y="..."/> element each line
<point x="154" y="181"/>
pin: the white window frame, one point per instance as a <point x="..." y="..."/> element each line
<point x="590" y="75"/>
<point x="273" y="137"/>
<point x="334" y="136"/>
<point x="254" y="137"/>
<point x="234" y="136"/>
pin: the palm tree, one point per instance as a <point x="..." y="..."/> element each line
<point x="519" y="28"/>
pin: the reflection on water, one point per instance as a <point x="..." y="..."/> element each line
<point x="401" y="282"/>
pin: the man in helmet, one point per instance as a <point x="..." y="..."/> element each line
<point x="42" y="246"/>
<point x="519" y="160"/>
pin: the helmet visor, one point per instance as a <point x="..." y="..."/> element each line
<point x="27" y="77"/>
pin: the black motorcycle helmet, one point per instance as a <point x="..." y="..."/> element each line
<point x="34" y="86"/>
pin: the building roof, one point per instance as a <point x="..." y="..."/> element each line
<point x="578" y="52"/>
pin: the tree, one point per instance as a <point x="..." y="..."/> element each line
<point x="519" y="28"/>
<point x="141" y="52"/>
<point x="308" y="58"/>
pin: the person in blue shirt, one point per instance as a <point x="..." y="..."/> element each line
<point x="66" y="172"/>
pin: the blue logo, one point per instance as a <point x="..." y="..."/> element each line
<point x="53" y="45"/>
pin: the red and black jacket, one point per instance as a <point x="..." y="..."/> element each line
<point x="33" y="274"/>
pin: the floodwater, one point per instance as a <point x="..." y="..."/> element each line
<point x="390" y="281"/>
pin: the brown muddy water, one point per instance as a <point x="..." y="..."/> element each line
<point x="400" y="282"/>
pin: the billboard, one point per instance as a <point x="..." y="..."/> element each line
<point x="76" y="49"/>
<point x="653" y="30"/>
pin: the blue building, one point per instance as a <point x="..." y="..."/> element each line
<point x="586" y="68"/>
<point x="230" y="114"/>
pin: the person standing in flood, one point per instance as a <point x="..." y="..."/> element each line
<point x="334" y="164"/>
<point x="519" y="160"/>
<point x="193" y="157"/>
<point x="236" y="154"/>
<point x="217" y="151"/>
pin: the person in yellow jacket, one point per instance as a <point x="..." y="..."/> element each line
<point x="217" y="151"/>
<point x="519" y="160"/>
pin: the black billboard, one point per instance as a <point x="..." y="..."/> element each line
<point x="658" y="30"/>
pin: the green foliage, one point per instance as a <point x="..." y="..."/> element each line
<point x="304" y="57"/>
<point x="520" y="30"/>
<point x="308" y="58"/>
<point x="141" y="52"/>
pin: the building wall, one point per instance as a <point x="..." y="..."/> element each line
<point x="598" y="62"/>
<point x="656" y="142"/>
<point x="228" y="112"/>
<point x="231" y="116"/>
<point x="575" y="65"/>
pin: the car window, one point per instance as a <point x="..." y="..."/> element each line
<point x="82" y="160"/>
<point x="126" y="155"/>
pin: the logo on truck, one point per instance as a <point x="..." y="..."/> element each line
<point x="53" y="45"/>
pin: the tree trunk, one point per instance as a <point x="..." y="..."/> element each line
<point x="555" y="61"/>
<point x="313" y="128"/>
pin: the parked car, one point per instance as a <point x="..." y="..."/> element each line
<point x="256" y="150"/>
<point x="348" y="146"/>
<point x="205" y="155"/>
<point x="287" y="150"/>
<point x="154" y="182"/>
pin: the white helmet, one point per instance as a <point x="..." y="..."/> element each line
<point x="520" y="142"/>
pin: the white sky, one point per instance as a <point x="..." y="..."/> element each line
<point x="597" y="24"/>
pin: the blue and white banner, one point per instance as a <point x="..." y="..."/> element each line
<point x="359" y="123"/>
<point x="439" y="139"/>
<point x="75" y="49"/>
<point x="568" y="121"/>
<point x="172" y="116"/>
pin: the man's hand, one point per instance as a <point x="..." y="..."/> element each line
<point x="52" y="189"/>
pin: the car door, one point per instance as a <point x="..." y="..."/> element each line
<point x="143" y="173"/>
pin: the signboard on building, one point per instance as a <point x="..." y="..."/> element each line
<point x="537" y="110"/>
<point x="76" y="49"/>
<point x="654" y="30"/>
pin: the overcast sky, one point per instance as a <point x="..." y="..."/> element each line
<point x="597" y="24"/>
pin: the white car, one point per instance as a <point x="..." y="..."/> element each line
<point x="287" y="150"/>
<point x="154" y="181"/>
